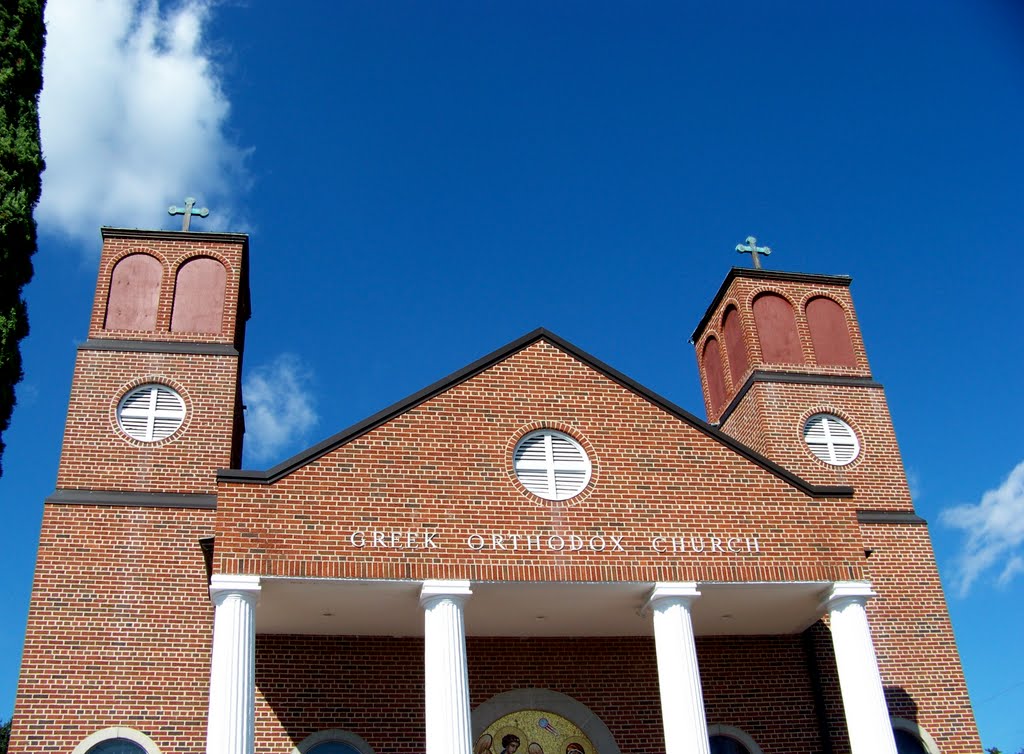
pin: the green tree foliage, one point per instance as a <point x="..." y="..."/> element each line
<point x="5" y="736"/>
<point x="21" y="163"/>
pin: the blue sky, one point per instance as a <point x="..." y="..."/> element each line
<point x="425" y="182"/>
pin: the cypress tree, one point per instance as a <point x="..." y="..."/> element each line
<point x="21" y="164"/>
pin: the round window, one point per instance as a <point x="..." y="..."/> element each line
<point x="151" y="412"/>
<point x="551" y="465"/>
<point x="831" y="439"/>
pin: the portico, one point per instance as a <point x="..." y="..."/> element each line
<point x="445" y="612"/>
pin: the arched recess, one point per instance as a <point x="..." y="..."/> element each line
<point x="735" y="348"/>
<point x="714" y="373"/>
<point x="347" y="739"/>
<point x="199" y="296"/>
<point x="140" y="740"/>
<point x="776" y="330"/>
<point x="830" y="333"/>
<point x="921" y="736"/>
<point x="134" y="293"/>
<point x="544" y="699"/>
<point x="735" y="734"/>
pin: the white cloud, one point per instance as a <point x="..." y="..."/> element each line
<point x="995" y="531"/>
<point x="914" y="483"/>
<point x="280" y="408"/>
<point x="132" y="118"/>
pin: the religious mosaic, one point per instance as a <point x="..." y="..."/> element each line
<point x="533" y="732"/>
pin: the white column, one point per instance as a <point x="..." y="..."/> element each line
<point x="867" y="715"/>
<point x="447" y="680"/>
<point x="230" y="728"/>
<point x="682" y="699"/>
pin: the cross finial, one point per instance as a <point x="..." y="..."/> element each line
<point x="188" y="210"/>
<point x="751" y="248"/>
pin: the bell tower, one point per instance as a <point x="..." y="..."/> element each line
<point x="155" y="400"/>
<point x="784" y="370"/>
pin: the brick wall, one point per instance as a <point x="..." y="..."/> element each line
<point x="446" y="466"/>
<point x="119" y="629"/>
<point x="98" y="455"/>
<point x="172" y="250"/>
<point x="914" y="641"/>
<point x="775" y="414"/>
<point x="374" y="687"/>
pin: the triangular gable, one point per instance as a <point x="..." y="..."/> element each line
<point x="347" y="435"/>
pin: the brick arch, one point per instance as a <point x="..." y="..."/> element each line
<point x="831" y="408"/>
<point x="735" y="347"/>
<point x="545" y="699"/>
<point x="133" y="297"/>
<point x="558" y="426"/>
<point x="148" y="379"/>
<point x="200" y="287"/>
<point x="776" y="329"/>
<point x="830" y="332"/>
<point x="714" y="373"/>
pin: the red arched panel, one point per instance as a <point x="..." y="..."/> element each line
<point x="199" y="296"/>
<point x="735" y="348"/>
<point x="776" y="330"/>
<point x="134" y="293"/>
<point x="830" y="334"/>
<point x="714" y="374"/>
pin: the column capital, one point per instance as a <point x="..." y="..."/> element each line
<point x="845" y="592"/>
<point x="684" y="592"/>
<point x="438" y="589"/>
<point x="223" y="585"/>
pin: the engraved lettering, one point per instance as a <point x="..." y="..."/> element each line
<point x="358" y="539"/>
<point x="475" y="542"/>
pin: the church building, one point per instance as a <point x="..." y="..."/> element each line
<point x="533" y="555"/>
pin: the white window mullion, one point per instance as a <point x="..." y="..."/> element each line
<point x="551" y="465"/>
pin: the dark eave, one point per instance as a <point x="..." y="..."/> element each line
<point x="753" y="274"/>
<point x="347" y="435"/>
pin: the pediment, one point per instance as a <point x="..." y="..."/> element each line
<point x="723" y="442"/>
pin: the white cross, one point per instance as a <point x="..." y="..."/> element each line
<point x="139" y="405"/>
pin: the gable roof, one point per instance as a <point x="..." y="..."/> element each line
<point x="346" y="435"/>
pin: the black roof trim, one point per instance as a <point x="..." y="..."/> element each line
<point x="749" y="272"/>
<point x="318" y="450"/>
<point x="132" y="499"/>
<point x="889" y="517"/>
<point x="158" y="346"/>
<point x="175" y="235"/>
<point x="791" y="378"/>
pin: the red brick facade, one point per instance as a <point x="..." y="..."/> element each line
<point x="120" y="624"/>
